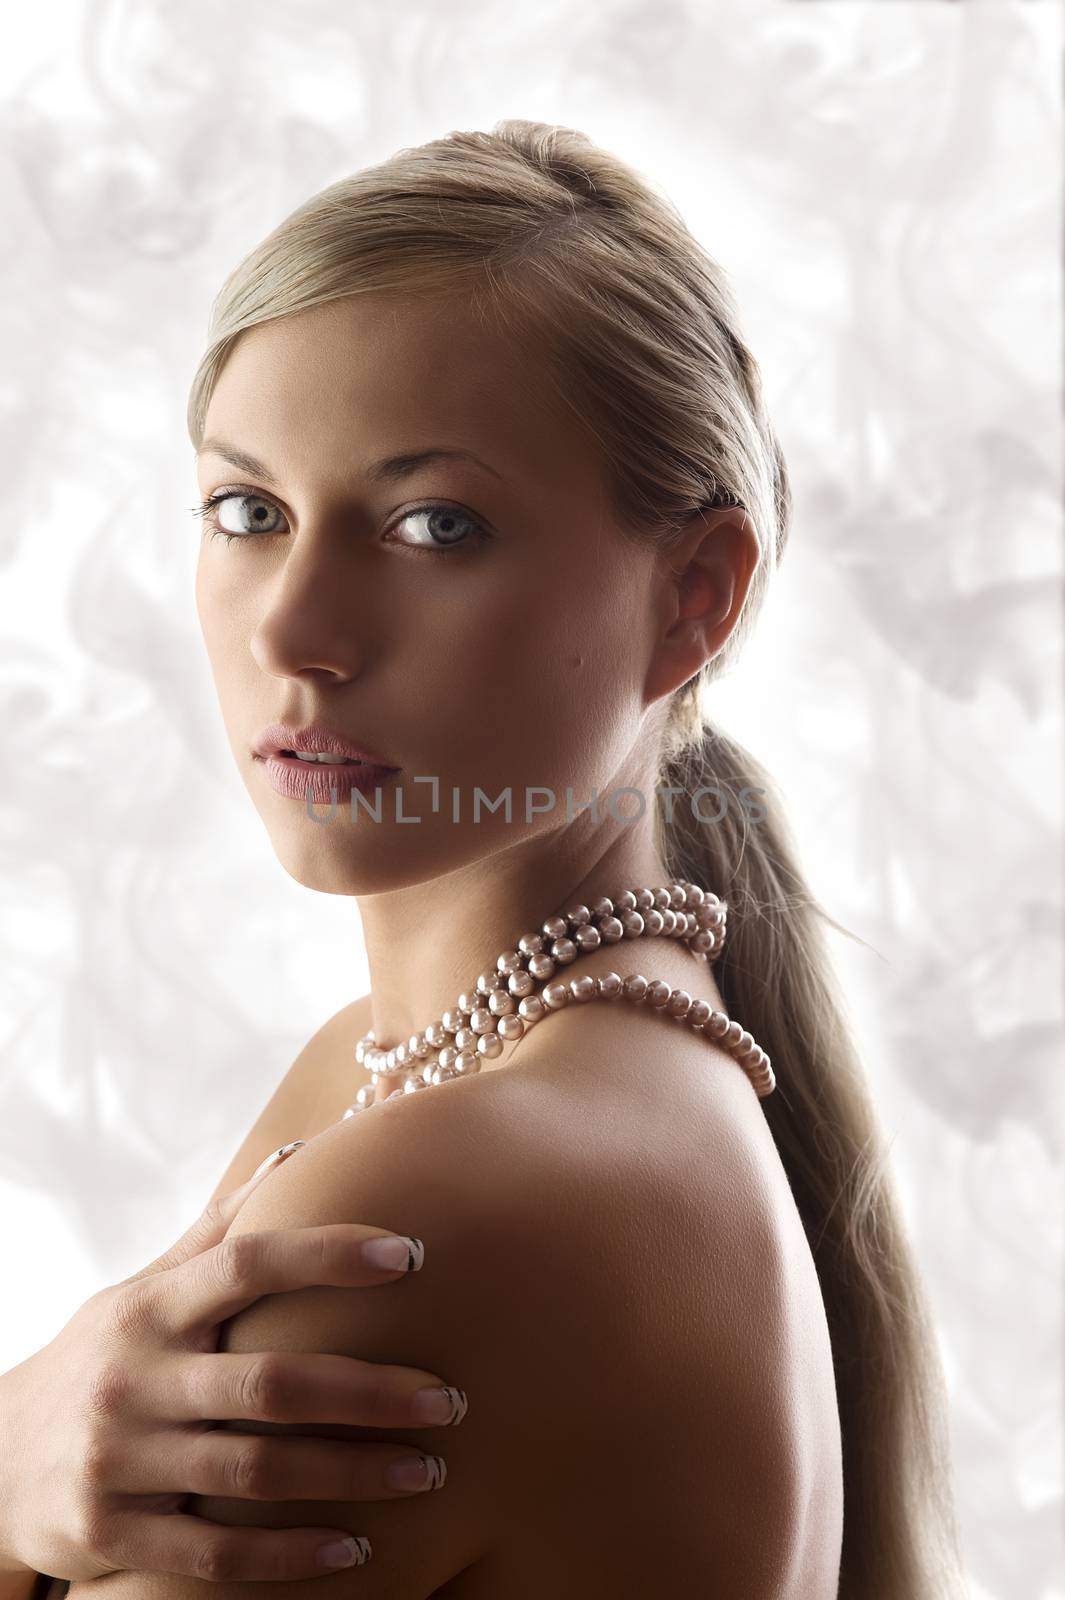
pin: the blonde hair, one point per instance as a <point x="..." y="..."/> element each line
<point x="561" y="245"/>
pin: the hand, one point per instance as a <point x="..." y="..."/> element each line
<point x="109" y="1428"/>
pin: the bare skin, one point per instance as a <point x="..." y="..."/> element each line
<point x="678" y="1112"/>
<point x="541" y="654"/>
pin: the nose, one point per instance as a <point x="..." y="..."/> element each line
<point x="310" y="622"/>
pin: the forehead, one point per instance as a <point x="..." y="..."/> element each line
<point x="370" y="374"/>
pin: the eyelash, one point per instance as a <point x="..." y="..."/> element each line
<point x="207" y="507"/>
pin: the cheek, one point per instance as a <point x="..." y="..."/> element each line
<point x="535" y="691"/>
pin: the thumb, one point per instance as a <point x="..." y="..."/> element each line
<point x="213" y="1222"/>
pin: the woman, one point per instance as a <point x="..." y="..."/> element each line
<point x="489" y="496"/>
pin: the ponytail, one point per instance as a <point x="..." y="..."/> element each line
<point x="728" y="834"/>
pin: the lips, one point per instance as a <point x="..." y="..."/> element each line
<point x="323" y="782"/>
<point x="280" y="738"/>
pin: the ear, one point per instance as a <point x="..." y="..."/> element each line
<point x="700" y="584"/>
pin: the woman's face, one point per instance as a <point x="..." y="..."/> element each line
<point x="510" y="651"/>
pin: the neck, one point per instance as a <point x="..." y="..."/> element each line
<point x="428" y="943"/>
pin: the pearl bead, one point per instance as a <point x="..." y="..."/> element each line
<point x="484" y="1018"/>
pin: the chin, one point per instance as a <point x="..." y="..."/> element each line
<point x="327" y="870"/>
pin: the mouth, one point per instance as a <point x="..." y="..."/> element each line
<point x="299" y="775"/>
<point x="321" y="760"/>
<point x="317" y="745"/>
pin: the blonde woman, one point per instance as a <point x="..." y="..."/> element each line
<point x="490" y="497"/>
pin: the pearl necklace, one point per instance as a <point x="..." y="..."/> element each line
<point x="505" y="1003"/>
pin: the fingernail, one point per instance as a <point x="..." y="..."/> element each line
<point x="353" y="1552"/>
<point x="276" y="1157"/>
<point x="396" y="1253"/>
<point x="417" y="1472"/>
<point x="439" y="1405"/>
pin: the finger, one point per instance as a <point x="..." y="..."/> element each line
<point x="195" y="1548"/>
<point x="292" y="1387"/>
<point x="264" y="1467"/>
<point x="211" y="1225"/>
<point x="217" y="1284"/>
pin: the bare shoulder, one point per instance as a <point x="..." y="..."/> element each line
<point x="687" y="1323"/>
<point x="611" y="1271"/>
<point x="306" y="1098"/>
<point x="334" y="1040"/>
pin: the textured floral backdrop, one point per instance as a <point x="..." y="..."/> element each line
<point x="881" y="182"/>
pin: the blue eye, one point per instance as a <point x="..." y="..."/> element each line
<point x="207" y="510"/>
<point x="449" y="515"/>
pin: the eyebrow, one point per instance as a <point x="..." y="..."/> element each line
<point x="388" y="470"/>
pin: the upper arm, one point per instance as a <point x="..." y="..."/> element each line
<point x="642" y="1436"/>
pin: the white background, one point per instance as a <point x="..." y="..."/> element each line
<point x="881" y="181"/>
